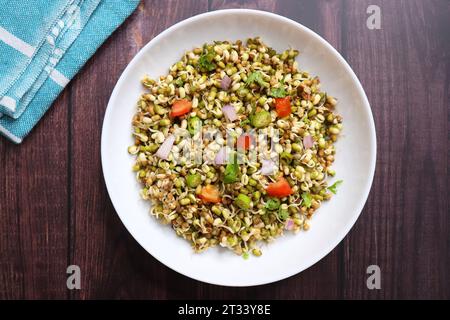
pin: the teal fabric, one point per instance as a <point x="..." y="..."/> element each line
<point x="42" y="48"/>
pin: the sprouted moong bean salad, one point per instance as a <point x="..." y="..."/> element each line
<point x="235" y="145"/>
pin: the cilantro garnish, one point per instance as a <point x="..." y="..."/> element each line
<point x="278" y="92"/>
<point x="307" y="199"/>
<point x="333" y="187"/>
<point x="231" y="170"/>
<point x="273" y="204"/>
<point x="206" y="61"/>
<point x="255" y="77"/>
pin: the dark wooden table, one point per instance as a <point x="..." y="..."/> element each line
<point x="55" y="211"/>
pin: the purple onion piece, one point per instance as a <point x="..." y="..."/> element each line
<point x="225" y="83"/>
<point x="164" y="149"/>
<point x="229" y="112"/>
<point x="308" y="142"/>
<point x="221" y="156"/>
<point x="267" y="167"/>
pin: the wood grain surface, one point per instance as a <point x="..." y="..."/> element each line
<point x="55" y="210"/>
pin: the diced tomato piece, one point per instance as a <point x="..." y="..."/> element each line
<point x="244" y="142"/>
<point x="180" y="107"/>
<point x="283" y="106"/>
<point x="210" y="193"/>
<point x="279" y="189"/>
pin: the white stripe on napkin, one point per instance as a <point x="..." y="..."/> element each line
<point x="16" y="43"/>
<point x="59" y="78"/>
<point x="7" y="133"/>
<point x="8" y="102"/>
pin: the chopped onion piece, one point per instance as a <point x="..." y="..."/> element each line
<point x="164" y="149"/>
<point x="225" y="83"/>
<point x="221" y="156"/>
<point x="268" y="167"/>
<point x="289" y="225"/>
<point x="229" y="112"/>
<point x="308" y="142"/>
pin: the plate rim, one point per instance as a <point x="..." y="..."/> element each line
<point x="340" y="236"/>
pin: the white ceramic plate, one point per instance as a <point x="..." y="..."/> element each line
<point x="355" y="160"/>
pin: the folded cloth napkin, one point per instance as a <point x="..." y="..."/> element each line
<point x="43" y="44"/>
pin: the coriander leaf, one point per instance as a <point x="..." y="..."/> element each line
<point x="255" y="77"/>
<point x="205" y="61"/>
<point x="278" y="92"/>
<point x="231" y="171"/>
<point x="333" y="187"/>
<point x="273" y="204"/>
<point x="307" y="199"/>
